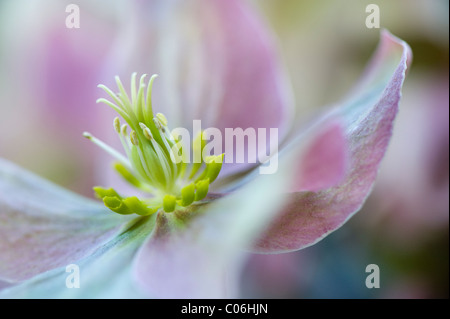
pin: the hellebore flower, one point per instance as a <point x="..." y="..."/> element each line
<point x="186" y="241"/>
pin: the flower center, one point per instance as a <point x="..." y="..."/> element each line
<point x="151" y="151"/>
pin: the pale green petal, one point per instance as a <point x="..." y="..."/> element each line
<point x="104" y="274"/>
<point x="43" y="226"/>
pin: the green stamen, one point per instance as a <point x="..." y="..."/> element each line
<point x="169" y="202"/>
<point x="116" y="205"/>
<point x="138" y="207"/>
<point x="187" y="195"/>
<point x="103" y="192"/>
<point x="150" y="165"/>
<point x="202" y="188"/>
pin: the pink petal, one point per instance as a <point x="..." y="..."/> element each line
<point x="216" y="63"/>
<point x="317" y="158"/>
<point x="324" y="162"/>
<point x="43" y="226"/>
<point x="309" y="216"/>
<point x="3" y="285"/>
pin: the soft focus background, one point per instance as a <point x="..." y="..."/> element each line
<point x="48" y="79"/>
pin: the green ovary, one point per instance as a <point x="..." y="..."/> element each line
<point x="151" y="151"/>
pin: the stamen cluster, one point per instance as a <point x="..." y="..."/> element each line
<point x="150" y="148"/>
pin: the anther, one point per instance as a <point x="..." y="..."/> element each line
<point x="162" y="118"/>
<point x="123" y="129"/>
<point x="117" y="124"/>
<point x="133" y="138"/>
<point x="147" y="133"/>
<point x="157" y="123"/>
